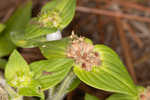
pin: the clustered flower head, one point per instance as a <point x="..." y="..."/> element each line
<point x="145" y="95"/>
<point x="50" y="19"/>
<point x="83" y="53"/>
<point x="21" y="80"/>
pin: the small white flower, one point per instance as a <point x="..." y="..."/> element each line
<point x="54" y="36"/>
<point x="43" y="46"/>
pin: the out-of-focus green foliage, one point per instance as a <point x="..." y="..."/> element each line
<point x="2" y="63"/>
<point x="2" y="27"/>
<point x="16" y="23"/>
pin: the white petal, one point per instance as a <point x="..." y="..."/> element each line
<point x="54" y="36"/>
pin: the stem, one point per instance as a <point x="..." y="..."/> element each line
<point x="51" y="93"/>
<point x="42" y="97"/>
<point x="60" y="93"/>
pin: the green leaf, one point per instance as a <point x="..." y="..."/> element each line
<point x="66" y="8"/>
<point x="32" y="90"/>
<point x="55" y="49"/>
<point x="50" y="72"/>
<point x="20" y="18"/>
<point x="16" y="70"/>
<point x="35" y="30"/>
<point x="17" y="23"/>
<point x="2" y="63"/>
<point x="68" y="13"/>
<point x="21" y="41"/>
<point x="90" y="97"/>
<point x="2" y="27"/>
<point x="52" y="5"/>
<point x="122" y="97"/>
<point x="6" y="45"/>
<point x="23" y="15"/>
<point x="111" y="75"/>
<point x="18" y="75"/>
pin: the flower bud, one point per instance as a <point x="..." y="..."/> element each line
<point x="50" y="18"/>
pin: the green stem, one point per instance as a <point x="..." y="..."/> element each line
<point x="51" y="93"/>
<point x="42" y="97"/>
<point x="60" y="92"/>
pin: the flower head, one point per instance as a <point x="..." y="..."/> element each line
<point x="83" y="53"/>
<point x="145" y="95"/>
<point x="50" y="19"/>
<point x="21" y="80"/>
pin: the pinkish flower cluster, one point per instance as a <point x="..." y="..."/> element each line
<point x="145" y="95"/>
<point x="83" y="53"/>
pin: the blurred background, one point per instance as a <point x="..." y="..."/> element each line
<point x="123" y="25"/>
